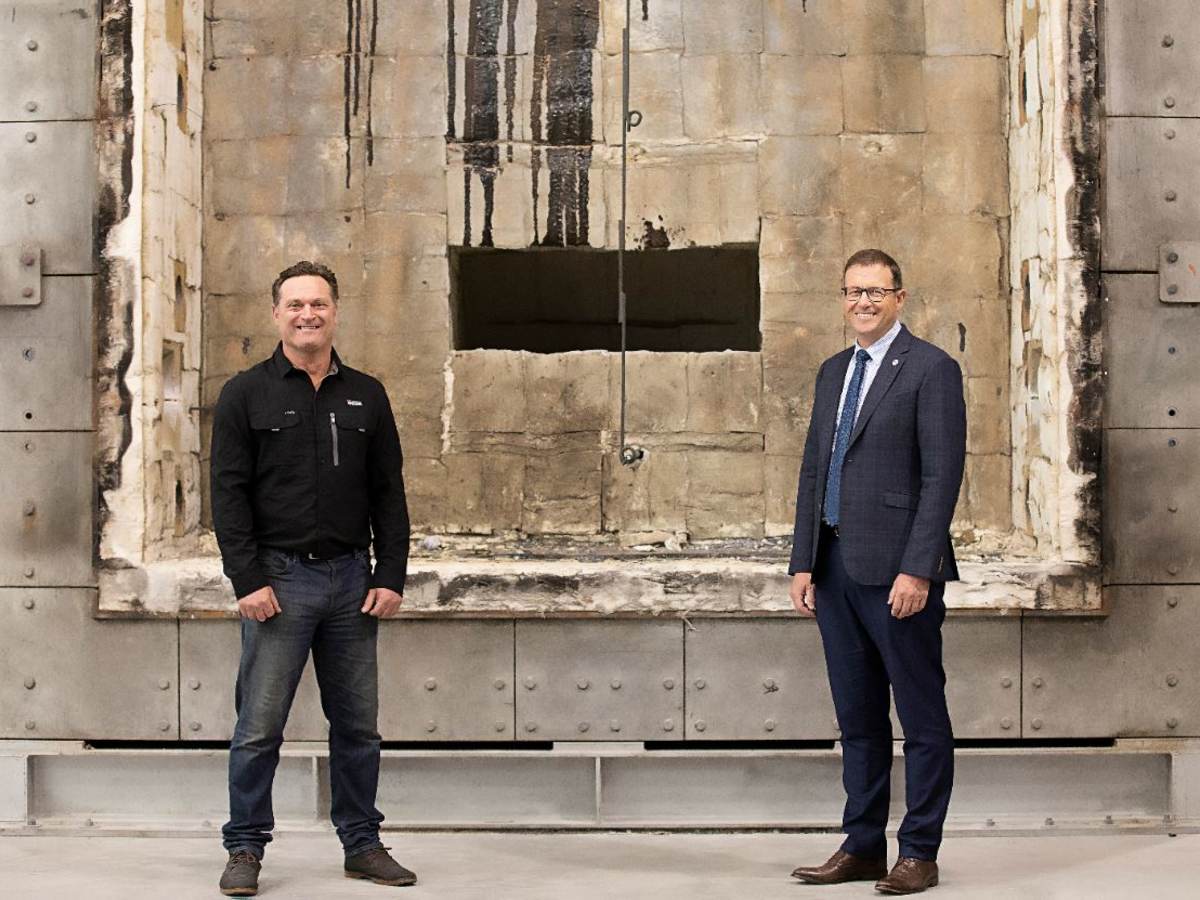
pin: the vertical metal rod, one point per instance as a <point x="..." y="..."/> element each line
<point x="621" y="229"/>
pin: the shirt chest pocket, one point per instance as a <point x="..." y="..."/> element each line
<point x="277" y="437"/>
<point x="350" y="431"/>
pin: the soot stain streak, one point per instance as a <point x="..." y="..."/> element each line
<point x="451" y="71"/>
<point x="346" y="83"/>
<point x="371" y="81"/>
<point x="481" y="115"/>
<point x="510" y="71"/>
<point x="352" y="78"/>
<point x="564" y="41"/>
<point x="646" y="10"/>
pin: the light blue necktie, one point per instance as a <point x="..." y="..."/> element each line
<point x="833" y="483"/>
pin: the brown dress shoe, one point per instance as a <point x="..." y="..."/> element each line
<point x="842" y="867"/>
<point x="909" y="876"/>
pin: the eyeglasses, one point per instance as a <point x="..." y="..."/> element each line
<point x="874" y="294"/>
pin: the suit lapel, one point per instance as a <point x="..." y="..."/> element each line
<point x="889" y="368"/>
<point x="828" y="395"/>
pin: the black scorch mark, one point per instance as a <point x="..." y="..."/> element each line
<point x="563" y="45"/>
<point x="510" y="72"/>
<point x="352" y="80"/>
<point x="646" y="10"/>
<point x="962" y="338"/>
<point x="481" y="115"/>
<point x="451" y="71"/>
<point x="654" y="238"/>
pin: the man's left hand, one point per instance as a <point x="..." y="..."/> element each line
<point x="382" y="602"/>
<point x="908" y="595"/>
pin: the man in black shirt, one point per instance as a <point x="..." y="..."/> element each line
<point x="306" y="477"/>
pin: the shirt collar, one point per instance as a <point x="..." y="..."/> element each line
<point x="283" y="365"/>
<point x="879" y="349"/>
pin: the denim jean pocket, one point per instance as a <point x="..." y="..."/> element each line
<point x="276" y="563"/>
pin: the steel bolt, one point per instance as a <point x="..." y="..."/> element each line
<point x="27" y="292"/>
<point x="498" y="684"/>
<point x="1172" y="289"/>
<point x="30" y="684"/>
<point x="700" y="684"/>
<point x="164" y="725"/>
<point x="614" y="725"/>
<point x="1006" y="723"/>
<point x="31" y="106"/>
<point x="194" y="684"/>
<point x="1172" y="722"/>
<point x="28" y="259"/>
<point x="1169" y="102"/>
<point x="701" y="725"/>
<point x="30" y="199"/>
<point x="530" y="684"/>
<point x="500" y="727"/>
<point x="29" y="571"/>
<point x="30" y="725"/>
<point x="615" y="684"/>
<point x="1170" y="196"/>
<point x="431" y="684"/>
<point x="1172" y="681"/>
<point x="668" y="724"/>
<point x="29" y="508"/>
<point x="769" y="725"/>
<point x="583" y="684"/>
<point x="531" y="727"/>
<point x="431" y="726"/>
<point x="1171" y="602"/>
<point x="669" y="684"/>
<point x="163" y="684"/>
<point x="1037" y="682"/>
<point x="1172" y="257"/>
<point x="1006" y="682"/>
<point x="1169" y="134"/>
<point x="30" y="137"/>
<point x="29" y="603"/>
<point x="1037" y="724"/>
<point x="1168" y="41"/>
<point x="31" y="45"/>
<point x="583" y="727"/>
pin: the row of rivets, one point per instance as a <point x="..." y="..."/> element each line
<point x="581" y="684"/>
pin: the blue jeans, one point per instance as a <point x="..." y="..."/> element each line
<point x="321" y="603"/>
<point x="867" y="651"/>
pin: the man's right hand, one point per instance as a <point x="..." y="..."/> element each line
<point x="260" y="605"/>
<point x="803" y="594"/>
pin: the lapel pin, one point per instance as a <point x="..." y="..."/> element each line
<point x="895" y="362"/>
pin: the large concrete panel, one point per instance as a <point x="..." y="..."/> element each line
<point x="446" y="681"/>
<point x="47" y="60"/>
<point x="596" y="681"/>
<point x="46" y="503"/>
<point x="1152" y="67"/>
<point x="47" y="193"/>
<point x="208" y="666"/>
<point x="1135" y="672"/>
<point x="757" y="680"/>
<point x="1152" y="196"/>
<point x="1150" y="356"/>
<point x="46" y="354"/>
<point x="64" y="674"/>
<point x="1151" y="506"/>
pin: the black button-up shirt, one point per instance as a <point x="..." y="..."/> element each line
<point x="307" y="470"/>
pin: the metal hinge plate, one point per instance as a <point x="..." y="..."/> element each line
<point x="20" y="275"/>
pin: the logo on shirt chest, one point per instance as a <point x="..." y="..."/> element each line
<point x="354" y="403"/>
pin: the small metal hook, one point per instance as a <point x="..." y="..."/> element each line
<point x="632" y="455"/>
<point x="634" y="119"/>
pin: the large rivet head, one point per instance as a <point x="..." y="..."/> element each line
<point x="194" y="684"/>
<point x="614" y="725"/>
<point x="30" y="725"/>
<point x="1170" y="196"/>
<point x="582" y="684"/>
<point x="701" y="684"/>
<point x="1168" y="40"/>
<point x="27" y="292"/>
<point x="700" y="725"/>
<point x="164" y="725"/>
<point x="1172" y="681"/>
<point x="615" y="684"/>
<point x="163" y="684"/>
<point x="1169" y="102"/>
<point x="669" y="684"/>
<point x="769" y="725"/>
<point x="31" y="45"/>
<point x="31" y="106"/>
<point x="28" y="259"/>
<point x="1169" y="134"/>
<point x="29" y="508"/>
<point x="499" y="684"/>
<point x="1172" y="569"/>
<point x="1172" y="257"/>
<point x="29" y="571"/>
<point x="1038" y="682"/>
<point x="1172" y="507"/>
<point x="1172" y="602"/>
<point x="530" y="683"/>
<point x="1037" y="724"/>
<point x="29" y="603"/>
<point x="500" y="727"/>
<point x="194" y="726"/>
<point x="1006" y="682"/>
<point x="1006" y="723"/>
<point x="769" y="684"/>
<point x="531" y="727"/>
<point x="30" y="683"/>
<point x="30" y="199"/>
<point x="1172" y="722"/>
<point x="583" y="727"/>
<point x="30" y="137"/>
<point x="431" y="684"/>
<point x="668" y="724"/>
<point x="431" y="726"/>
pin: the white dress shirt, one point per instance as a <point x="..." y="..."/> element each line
<point x="877" y="351"/>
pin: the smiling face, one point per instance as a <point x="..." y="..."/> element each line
<point x="306" y="315"/>
<point x="869" y="319"/>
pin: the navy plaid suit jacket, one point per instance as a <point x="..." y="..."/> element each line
<point x="903" y="468"/>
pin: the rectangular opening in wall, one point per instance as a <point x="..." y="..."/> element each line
<point x="554" y="300"/>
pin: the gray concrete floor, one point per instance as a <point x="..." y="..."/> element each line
<point x="593" y="866"/>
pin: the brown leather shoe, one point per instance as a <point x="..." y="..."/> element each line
<point x="908" y="876"/>
<point x="842" y="867"/>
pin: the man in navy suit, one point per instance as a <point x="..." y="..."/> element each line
<point x="871" y="555"/>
